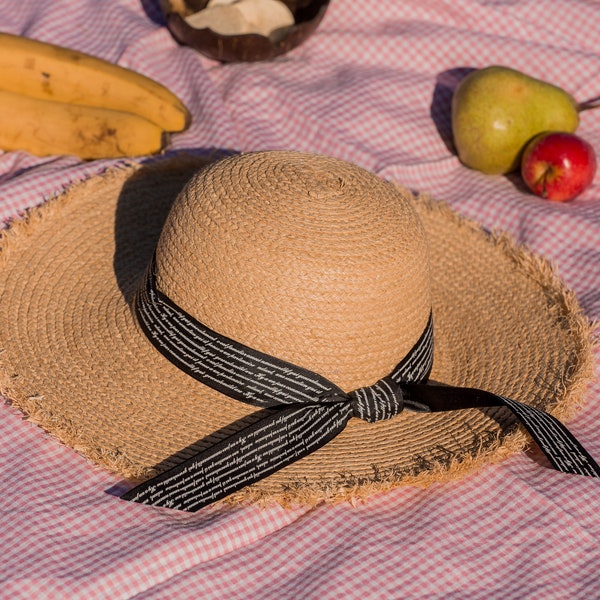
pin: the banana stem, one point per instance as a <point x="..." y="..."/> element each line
<point x="589" y="104"/>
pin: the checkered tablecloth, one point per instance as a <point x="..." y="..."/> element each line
<point x="372" y="86"/>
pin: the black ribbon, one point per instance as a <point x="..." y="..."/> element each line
<point x="306" y="410"/>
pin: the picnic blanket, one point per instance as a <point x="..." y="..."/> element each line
<point x="372" y="86"/>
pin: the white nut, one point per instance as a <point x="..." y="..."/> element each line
<point x="225" y="20"/>
<point x="271" y="18"/>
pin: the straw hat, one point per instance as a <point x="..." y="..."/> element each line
<point x="306" y="258"/>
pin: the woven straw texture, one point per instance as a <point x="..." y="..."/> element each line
<point x="305" y="257"/>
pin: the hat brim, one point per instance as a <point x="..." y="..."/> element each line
<point x="74" y="360"/>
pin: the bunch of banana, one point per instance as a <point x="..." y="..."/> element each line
<point x="54" y="100"/>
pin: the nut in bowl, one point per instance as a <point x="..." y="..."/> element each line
<point x="243" y="30"/>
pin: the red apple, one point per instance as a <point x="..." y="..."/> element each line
<point x="558" y="165"/>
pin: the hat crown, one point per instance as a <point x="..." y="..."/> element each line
<point x="304" y="257"/>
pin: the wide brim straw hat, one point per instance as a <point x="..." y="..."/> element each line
<point x="304" y="257"/>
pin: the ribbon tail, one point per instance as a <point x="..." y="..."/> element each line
<point x="560" y="446"/>
<point x="282" y="437"/>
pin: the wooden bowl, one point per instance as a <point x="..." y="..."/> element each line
<point x="247" y="47"/>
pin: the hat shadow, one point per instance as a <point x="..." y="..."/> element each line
<point x="142" y="208"/>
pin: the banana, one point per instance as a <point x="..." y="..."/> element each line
<point x="46" y="71"/>
<point x="45" y="127"/>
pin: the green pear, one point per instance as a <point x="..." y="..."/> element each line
<point x="497" y="110"/>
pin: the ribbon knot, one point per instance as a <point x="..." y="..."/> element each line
<point x="382" y="400"/>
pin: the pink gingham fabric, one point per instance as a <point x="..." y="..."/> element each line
<point x="372" y="86"/>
